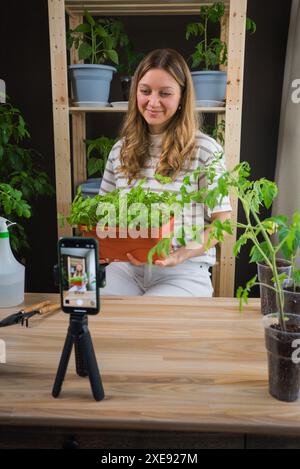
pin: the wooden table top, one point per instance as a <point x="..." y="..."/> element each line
<point x="191" y="364"/>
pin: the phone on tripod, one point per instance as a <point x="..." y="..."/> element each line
<point x="78" y="262"/>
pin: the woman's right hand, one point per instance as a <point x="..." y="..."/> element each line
<point x="133" y="260"/>
<point x="104" y="260"/>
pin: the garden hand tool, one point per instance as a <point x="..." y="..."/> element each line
<point x="50" y="308"/>
<point x="24" y="314"/>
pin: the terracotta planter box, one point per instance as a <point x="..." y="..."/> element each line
<point x="76" y="283"/>
<point x="115" y="248"/>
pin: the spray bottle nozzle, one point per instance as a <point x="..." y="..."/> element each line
<point x="4" y="225"/>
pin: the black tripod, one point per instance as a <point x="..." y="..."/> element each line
<point x="85" y="359"/>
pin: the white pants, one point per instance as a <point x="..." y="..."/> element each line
<point x="186" y="279"/>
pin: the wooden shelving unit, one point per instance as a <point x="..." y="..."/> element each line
<point x="123" y="109"/>
<point x="232" y="31"/>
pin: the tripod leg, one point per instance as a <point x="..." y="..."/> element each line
<point x="63" y="364"/>
<point x="80" y="361"/>
<point x="93" y="370"/>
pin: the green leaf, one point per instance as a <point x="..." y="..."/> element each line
<point x="243" y="239"/>
<point x="102" y="33"/>
<point x="191" y="30"/>
<point x="84" y="51"/>
<point x="269" y="192"/>
<point x="162" y="179"/>
<point x="256" y="255"/>
<point x="281" y="277"/>
<point x="296" y="277"/>
<point x="243" y="293"/>
<point x="186" y="180"/>
<point x="112" y="54"/>
<point x="250" y="25"/>
<point x="82" y="28"/>
<point x="89" y="18"/>
<point x="70" y="41"/>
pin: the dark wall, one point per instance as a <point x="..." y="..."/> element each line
<point x="263" y="79"/>
<point x="25" y="66"/>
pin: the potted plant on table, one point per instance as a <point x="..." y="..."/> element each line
<point x="291" y="249"/>
<point x="282" y="329"/>
<point x="290" y="235"/>
<point x="210" y="84"/>
<point x="96" y="41"/>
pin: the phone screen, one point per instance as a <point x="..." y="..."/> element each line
<point x="78" y="262"/>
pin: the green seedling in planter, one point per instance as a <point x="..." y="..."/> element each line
<point x="76" y="279"/>
<point x="97" y="153"/>
<point x="97" y="40"/>
<point x="210" y="53"/>
<point x="21" y="176"/>
<point x="84" y="211"/>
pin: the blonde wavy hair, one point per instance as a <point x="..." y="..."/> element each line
<point x="178" y="143"/>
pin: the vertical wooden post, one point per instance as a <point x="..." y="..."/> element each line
<point x="56" y="11"/>
<point x="78" y="123"/>
<point x="235" y="70"/>
<point x="216" y="271"/>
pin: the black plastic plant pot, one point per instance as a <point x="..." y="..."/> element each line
<point x="268" y="296"/>
<point x="125" y="84"/>
<point x="292" y="300"/>
<point x="283" y="349"/>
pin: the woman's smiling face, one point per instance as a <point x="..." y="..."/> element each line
<point x="158" y="98"/>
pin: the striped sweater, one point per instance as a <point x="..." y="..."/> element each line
<point x="205" y="149"/>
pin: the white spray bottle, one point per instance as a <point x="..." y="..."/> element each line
<point x="12" y="273"/>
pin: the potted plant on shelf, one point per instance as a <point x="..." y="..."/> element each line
<point x="98" y="150"/>
<point x="282" y="329"/>
<point x="210" y="84"/>
<point x="129" y="59"/>
<point x="96" y="41"/>
<point x="217" y="131"/>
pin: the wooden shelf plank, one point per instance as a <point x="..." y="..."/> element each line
<point x="122" y="109"/>
<point x="136" y="7"/>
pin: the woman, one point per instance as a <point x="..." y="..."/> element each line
<point x="78" y="272"/>
<point x="160" y="135"/>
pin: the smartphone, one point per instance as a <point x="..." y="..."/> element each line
<point x="78" y="262"/>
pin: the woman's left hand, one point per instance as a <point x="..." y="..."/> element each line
<point x="177" y="257"/>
